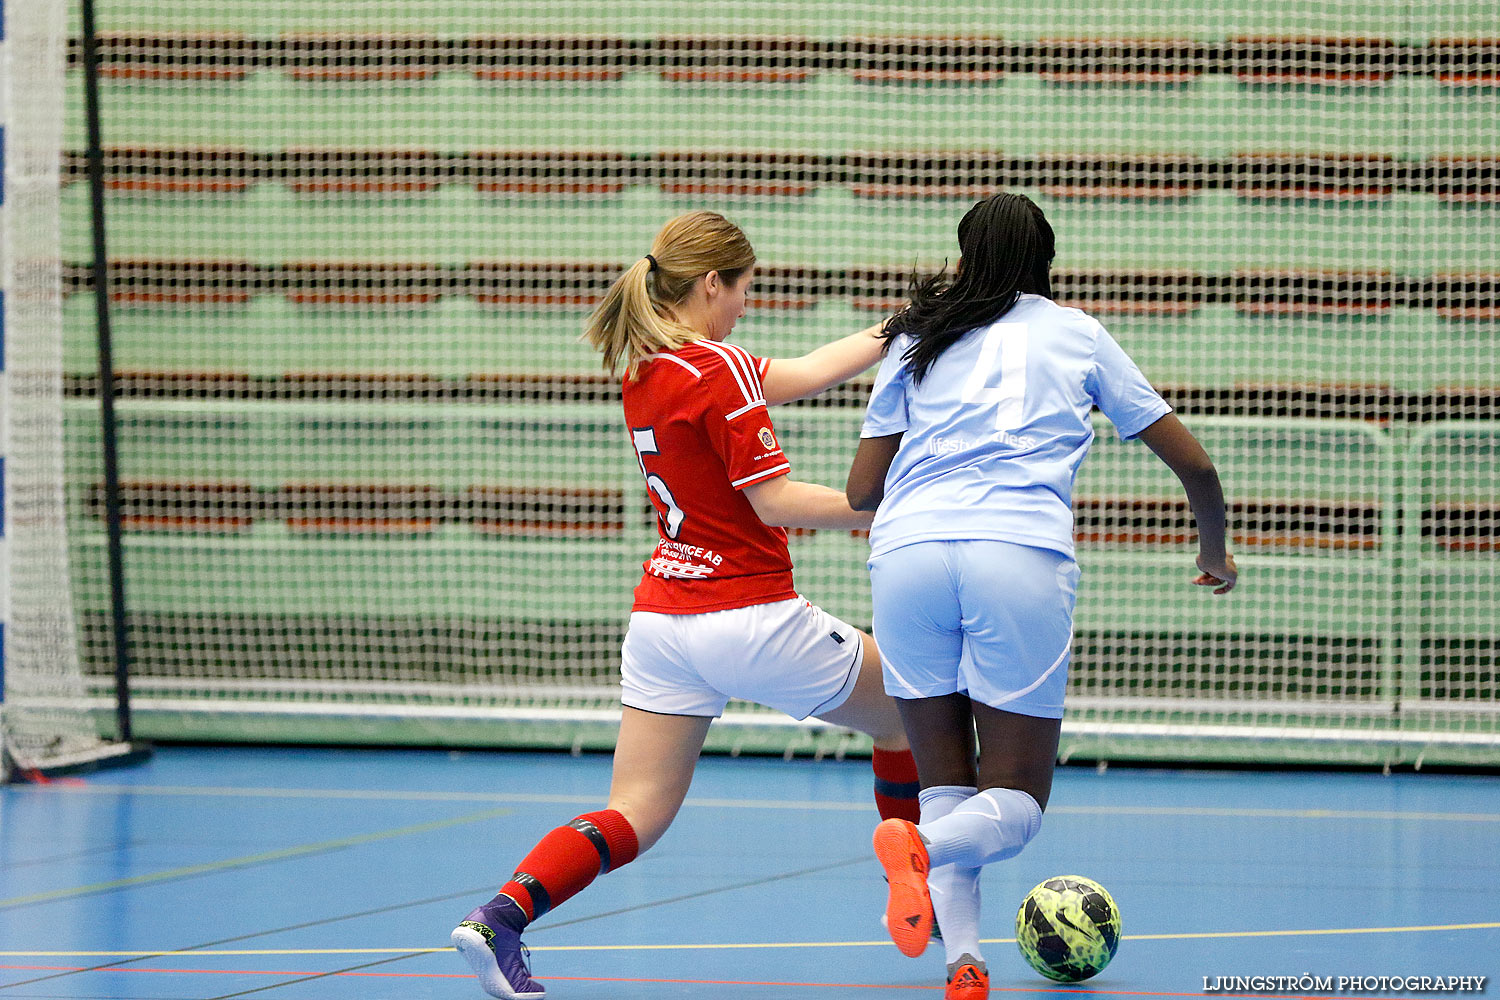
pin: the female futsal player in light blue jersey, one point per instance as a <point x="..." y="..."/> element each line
<point x="976" y="427"/>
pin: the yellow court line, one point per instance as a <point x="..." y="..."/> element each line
<point x="731" y="947"/>
<point x="251" y="791"/>
<point x="222" y="952"/>
<point x="288" y="852"/>
<point x="400" y="795"/>
<point x="1449" y="817"/>
<point x="1313" y="932"/>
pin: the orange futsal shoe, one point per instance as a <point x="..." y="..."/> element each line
<point x="908" y="907"/>
<point x="968" y="979"/>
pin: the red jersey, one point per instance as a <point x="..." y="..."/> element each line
<point x="698" y="420"/>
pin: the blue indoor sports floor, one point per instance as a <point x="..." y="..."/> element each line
<point x="229" y="872"/>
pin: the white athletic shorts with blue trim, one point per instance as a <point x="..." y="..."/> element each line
<point x="789" y="655"/>
<point x="989" y="618"/>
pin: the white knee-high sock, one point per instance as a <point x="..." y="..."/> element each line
<point x="990" y="826"/>
<point x="955" y="890"/>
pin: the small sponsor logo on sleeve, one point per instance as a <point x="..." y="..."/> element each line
<point x="767" y="439"/>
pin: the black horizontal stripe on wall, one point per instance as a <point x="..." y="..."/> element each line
<point x="783" y="59"/>
<point x="1329" y="176"/>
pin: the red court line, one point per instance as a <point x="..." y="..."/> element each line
<point x="736" y="982"/>
<point x="1079" y="991"/>
<point x="1076" y="991"/>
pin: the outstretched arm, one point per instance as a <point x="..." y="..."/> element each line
<point x="788" y="503"/>
<point x="787" y="379"/>
<point x="1175" y="445"/>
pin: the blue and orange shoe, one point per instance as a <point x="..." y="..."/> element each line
<point x="908" y="907"/>
<point x="968" y="979"/>
<point x="489" y="939"/>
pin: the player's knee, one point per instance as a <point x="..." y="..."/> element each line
<point x="1034" y="778"/>
<point x="886" y="729"/>
<point x="648" y="820"/>
<point x="1017" y="818"/>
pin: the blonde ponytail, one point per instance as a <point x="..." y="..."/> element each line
<point x="636" y="318"/>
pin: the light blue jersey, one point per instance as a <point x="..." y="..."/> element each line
<point x="996" y="431"/>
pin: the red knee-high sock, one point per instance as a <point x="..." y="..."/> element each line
<point x="569" y="858"/>
<point x="896" y="785"/>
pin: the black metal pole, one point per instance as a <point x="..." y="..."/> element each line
<point x="106" y="374"/>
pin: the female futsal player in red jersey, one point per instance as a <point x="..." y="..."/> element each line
<point x="715" y="615"/>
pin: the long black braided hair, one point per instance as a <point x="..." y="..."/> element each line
<point x="1007" y="247"/>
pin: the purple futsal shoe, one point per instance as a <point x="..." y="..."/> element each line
<point x="489" y="939"/>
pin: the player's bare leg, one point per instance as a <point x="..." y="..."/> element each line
<point x="653" y="767"/>
<point x="975" y="811"/>
<point x="1016" y="751"/>
<point x="654" y="761"/>
<point x="942" y="738"/>
<point x="868" y="708"/>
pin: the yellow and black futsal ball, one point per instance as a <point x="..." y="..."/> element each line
<point x="1068" y="928"/>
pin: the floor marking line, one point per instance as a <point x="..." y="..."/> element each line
<point x="304" y="925"/>
<point x="529" y="798"/>
<point x="356" y="973"/>
<point x="765" y="880"/>
<point x="352" y="970"/>
<point x="203" y="946"/>
<point x="205" y="949"/>
<point x="235" y="972"/>
<point x="73" y="856"/>
<point x="252" y="859"/>
<point x="1191" y="936"/>
<point x="1235" y="812"/>
<point x="1420" y="928"/>
<point x="732" y="946"/>
<point x="219" y="952"/>
<point x="1078" y="990"/>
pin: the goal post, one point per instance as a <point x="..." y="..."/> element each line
<point x="48" y="725"/>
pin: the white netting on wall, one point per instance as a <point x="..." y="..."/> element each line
<point x="374" y="485"/>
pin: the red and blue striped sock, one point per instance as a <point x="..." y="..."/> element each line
<point x="569" y="858"/>
<point x="896" y="785"/>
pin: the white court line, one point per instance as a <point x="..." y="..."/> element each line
<point x="399" y="795"/>
<point x="195" y="953"/>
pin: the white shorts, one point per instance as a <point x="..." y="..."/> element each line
<point x="991" y="619"/>
<point x="790" y="655"/>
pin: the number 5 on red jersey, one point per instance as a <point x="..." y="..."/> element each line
<point x="644" y="441"/>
